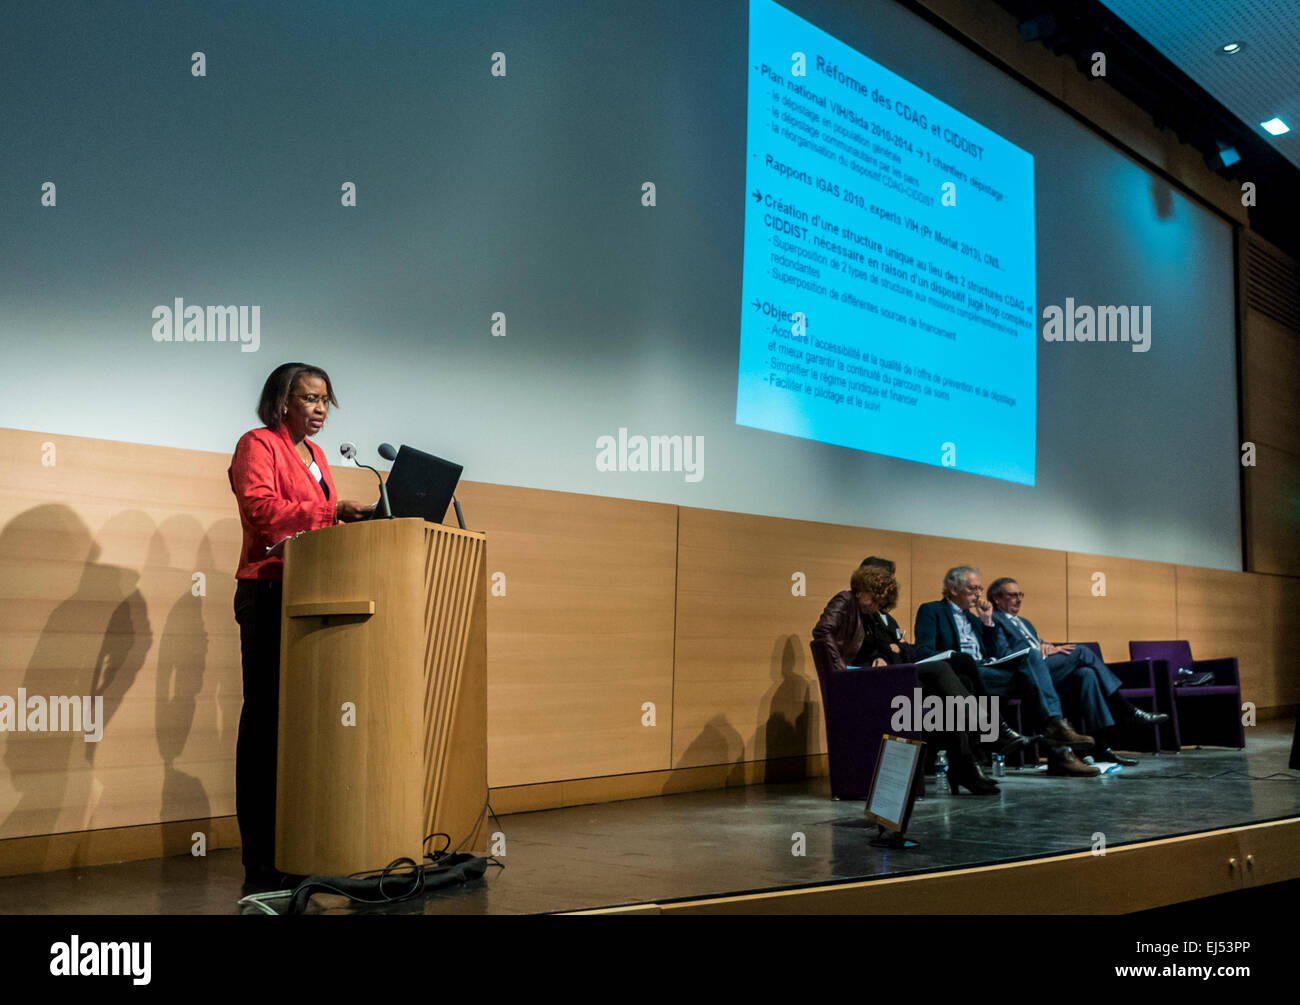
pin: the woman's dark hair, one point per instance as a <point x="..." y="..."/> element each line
<point x="278" y="387"/>
<point x="876" y="583"/>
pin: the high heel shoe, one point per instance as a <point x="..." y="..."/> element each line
<point x="984" y="776"/>
<point x="966" y="773"/>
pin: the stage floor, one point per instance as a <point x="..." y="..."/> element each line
<point x="741" y="839"/>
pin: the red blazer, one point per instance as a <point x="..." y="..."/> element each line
<point x="278" y="496"/>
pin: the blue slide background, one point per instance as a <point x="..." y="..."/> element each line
<point x="823" y="157"/>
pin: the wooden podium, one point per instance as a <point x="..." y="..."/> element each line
<point x="383" y="695"/>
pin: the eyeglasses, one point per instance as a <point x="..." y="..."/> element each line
<point x="1013" y="596"/>
<point x="314" y="399"/>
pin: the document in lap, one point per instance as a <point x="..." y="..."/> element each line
<point x="1009" y="657"/>
<point x="929" y="659"/>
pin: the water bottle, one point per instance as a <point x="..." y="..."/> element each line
<point x="941" y="773"/>
<point x="999" y="765"/>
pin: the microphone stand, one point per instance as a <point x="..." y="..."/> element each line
<point x="385" y="511"/>
<point x="349" y="450"/>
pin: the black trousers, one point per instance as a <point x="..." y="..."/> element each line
<point x="257" y="611"/>
<point x="968" y="673"/>
<point x="941" y="680"/>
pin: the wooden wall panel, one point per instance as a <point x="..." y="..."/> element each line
<point x="1039" y="571"/>
<point x="1270" y="395"/>
<point x="582" y="637"/>
<point x="745" y="685"/>
<point x="1254" y="618"/>
<point x="98" y="549"/>
<point x="1272" y="511"/>
<point x="1270" y="403"/>
<point x="1139" y="602"/>
<point x="98" y="596"/>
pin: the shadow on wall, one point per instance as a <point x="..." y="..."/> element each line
<point x="182" y="658"/>
<point x="1162" y="198"/>
<point x="718" y="743"/>
<point x="182" y="662"/>
<point x="94" y="644"/>
<point x="788" y="709"/>
<point x="784" y="736"/>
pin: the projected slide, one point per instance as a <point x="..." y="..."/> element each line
<point x="889" y="289"/>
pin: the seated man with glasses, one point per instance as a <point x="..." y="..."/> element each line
<point x="963" y="621"/>
<point x="1008" y="741"/>
<point x="1080" y="676"/>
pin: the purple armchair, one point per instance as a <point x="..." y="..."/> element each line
<point x="1139" y="685"/>
<point x="1206" y="716"/>
<point x="857" y="709"/>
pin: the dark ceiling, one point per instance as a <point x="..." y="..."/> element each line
<point x="1175" y="73"/>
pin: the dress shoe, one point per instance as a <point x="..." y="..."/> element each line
<point x="1141" y="717"/>
<point x="261" y="875"/>
<point x="1106" y="754"/>
<point x="966" y="773"/>
<point x="984" y="776"/>
<point x="260" y="879"/>
<point x="1063" y="762"/>
<point x="1059" y="733"/>
<point x="1009" y="741"/>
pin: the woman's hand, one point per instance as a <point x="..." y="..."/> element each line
<point x="878" y="662"/>
<point x="349" y="510"/>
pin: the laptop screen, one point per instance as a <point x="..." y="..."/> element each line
<point x="421" y="485"/>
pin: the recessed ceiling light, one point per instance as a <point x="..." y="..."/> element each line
<point x="1275" y="126"/>
<point x="1232" y="48"/>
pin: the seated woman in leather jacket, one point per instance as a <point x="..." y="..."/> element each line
<point x="859" y="636"/>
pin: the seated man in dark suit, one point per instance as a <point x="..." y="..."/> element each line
<point x="950" y="624"/>
<point x="1086" y="684"/>
<point x="963" y="666"/>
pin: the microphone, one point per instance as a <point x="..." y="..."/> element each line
<point x="349" y="450"/>
<point x="387" y="452"/>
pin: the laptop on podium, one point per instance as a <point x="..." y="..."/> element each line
<point x="421" y="485"/>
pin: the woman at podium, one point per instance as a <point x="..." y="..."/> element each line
<point x="283" y="485"/>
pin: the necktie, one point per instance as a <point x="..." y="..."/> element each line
<point x="1024" y="630"/>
